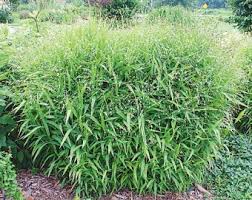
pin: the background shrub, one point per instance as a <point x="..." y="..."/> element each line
<point x="5" y="15"/>
<point x="117" y="9"/>
<point x="243" y="14"/>
<point x="138" y="109"/>
<point x="8" y="181"/>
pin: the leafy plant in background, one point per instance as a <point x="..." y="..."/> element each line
<point x="14" y="4"/>
<point x="8" y="182"/>
<point x="117" y="9"/>
<point x="5" y="15"/>
<point x="230" y="176"/>
<point x="137" y="108"/>
<point x="242" y="10"/>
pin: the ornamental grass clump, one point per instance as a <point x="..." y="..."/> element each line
<point x="137" y="108"/>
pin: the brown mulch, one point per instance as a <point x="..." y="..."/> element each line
<point x="128" y="195"/>
<point x="41" y="187"/>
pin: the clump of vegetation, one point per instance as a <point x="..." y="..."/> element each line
<point x="8" y="183"/>
<point x="138" y="109"/>
<point x="174" y="15"/>
<point x="117" y="9"/>
<point x="57" y="16"/>
<point x="5" y="15"/>
<point x="230" y="177"/>
<point x="243" y="14"/>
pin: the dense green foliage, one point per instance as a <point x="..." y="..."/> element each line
<point x="5" y="15"/>
<point x="139" y="108"/>
<point x="230" y="177"/>
<point x="243" y="14"/>
<point x="117" y="9"/>
<point x="8" y="181"/>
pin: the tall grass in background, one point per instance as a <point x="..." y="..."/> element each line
<point x="137" y="108"/>
<point x="173" y="15"/>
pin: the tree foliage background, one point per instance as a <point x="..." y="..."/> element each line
<point x="242" y="14"/>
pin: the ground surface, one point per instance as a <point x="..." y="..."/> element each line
<point x="40" y="187"/>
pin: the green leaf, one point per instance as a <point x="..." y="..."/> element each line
<point x="7" y="119"/>
<point x="20" y="156"/>
<point x="2" y="140"/>
<point x="240" y="116"/>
